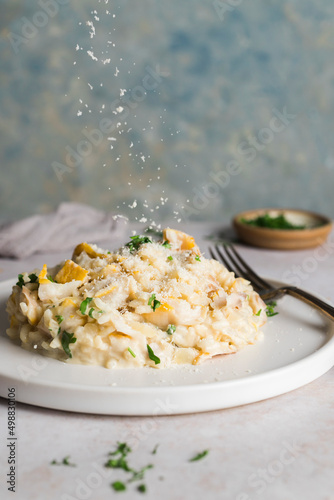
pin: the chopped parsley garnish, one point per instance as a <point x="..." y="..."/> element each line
<point x="153" y="302"/>
<point x="171" y="329"/>
<point x="170" y="257"/>
<point x="33" y="278"/>
<point x="258" y="313"/>
<point x="131" y="352"/>
<point x="266" y="220"/>
<point x="166" y="244"/>
<point x="118" y="486"/>
<point x="59" y="318"/>
<point x="136" y="241"/>
<point x="199" y="456"/>
<point x="142" y="488"/>
<point x="65" y="461"/>
<point x="270" y="310"/>
<point x="84" y="304"/>
<point x="20" y="282"/>
<point x="51" y="279"/>
<point x="152" y="356"/>
<point x="66" y="340"/>
<point x="90" y="314"/>
<point x="198" y="258"/>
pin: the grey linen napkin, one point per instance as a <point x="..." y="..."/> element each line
<point x="70" y="224"/>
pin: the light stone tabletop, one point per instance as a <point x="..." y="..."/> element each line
<point x="277" y="449"/>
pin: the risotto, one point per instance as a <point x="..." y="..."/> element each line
<point x="151" y="303"/>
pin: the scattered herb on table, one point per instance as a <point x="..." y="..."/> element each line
<point x="136" y="242"/>
<point x="199" y="456"/>
<point x="120" y="462"/>
<point x="266" y="220"/>
<point x="84" y="304"/>
<point x="66" y="340"/>
<point x="153" y="302"/>
<point x="138" y="475"/>
<point x="118" y="486"/>
<point x="270" y="310"/>
<point x="155" y="449"/>
<point x="65" y="461"/>
<point x="152" y="356"/>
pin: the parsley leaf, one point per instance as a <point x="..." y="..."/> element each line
<point x="153" y="302"/>
<point x="155" y="449"/>
<point x="142" y="488"/>
<point x="122" y="448"/>
<point x="166" y="244"/>
<point x="51" y="279"/>
<point x="258" y="313"/>
<point x="118" y="486"/>
<point x="199" y="456"/>
<point x="59" y="318"/>
<point x="137" y="475"/>
<point x="66" y="340"/>
<point x="198" y="258"/>
<point x="120" y="462"/>
<point x="84" y="304"/>
<point x="170" y="257"/>
<point x="152" y="356"/>
<point x="90" y="314"/>
<point x="136" y="241"/>
<point x="33" y="278"/>
<point x="65" y="461"/>
<point x="270" y="311"/>
<point x="171" y="329"/>
<point x="131" y="352"/>
<point x="20" y="282"/>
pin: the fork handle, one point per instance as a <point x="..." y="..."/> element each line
<point x="298" y="293"/>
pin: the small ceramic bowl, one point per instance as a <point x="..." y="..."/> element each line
<point x="316" y="231"/>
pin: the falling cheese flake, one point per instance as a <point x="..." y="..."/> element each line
<point x="91" y="25"/>
<point x="116" y="72"/>
<point x="91" y="54"/>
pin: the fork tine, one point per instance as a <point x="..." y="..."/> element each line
<point x="253" y="277"/>
<point x="224" y="260"/>
<point x="220" y="257"/>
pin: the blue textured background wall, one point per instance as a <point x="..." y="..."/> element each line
<point x="217" y="106"/>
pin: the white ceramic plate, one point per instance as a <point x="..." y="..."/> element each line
<point x="297" y="347"/>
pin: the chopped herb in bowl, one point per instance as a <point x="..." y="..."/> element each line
<point x="276" y="222"/>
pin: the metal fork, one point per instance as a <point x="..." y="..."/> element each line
<point x="229" y="256"/>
